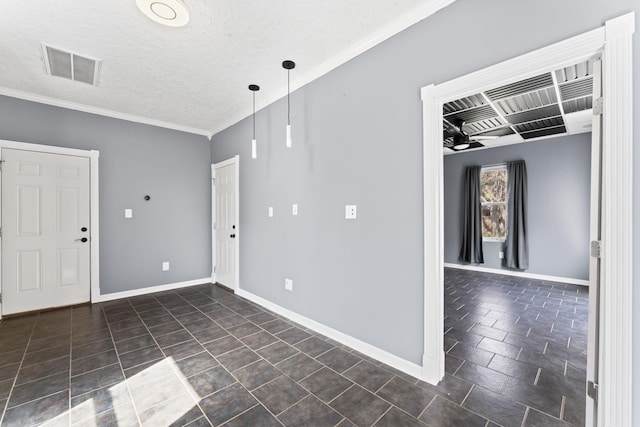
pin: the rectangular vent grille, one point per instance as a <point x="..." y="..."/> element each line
<point x="60" y="63"/>
<point x="523" y="86"/>
<point x="540" y="124"/>
<point x="544" y="132"/>
<point x="527" y="101"/>
<point x="463" y="104"/>
<point x="531" y="115"/>
<point x="576" y="71"/>
<point x="576" y="105"/>
<point x="576" y="89"/>
<point x="473" y="115"/>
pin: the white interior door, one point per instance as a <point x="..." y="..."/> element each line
<point x="226" y="224"/>
<point x="591" y="415"/>
<point x="45" y="230"/>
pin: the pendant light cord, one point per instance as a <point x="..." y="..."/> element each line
<point x="288" y="101"/>
<point x="254" y="115"/>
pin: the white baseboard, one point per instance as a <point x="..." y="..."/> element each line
<point x="150" y="290"/>
<point x="367" y="349"/>
<point x="570" y="280"/>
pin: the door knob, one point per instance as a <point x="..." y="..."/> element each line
<point x="83" y="229"/>
<point x="83" y="240"/>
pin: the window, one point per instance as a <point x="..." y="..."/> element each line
<point x="493" y="181"/>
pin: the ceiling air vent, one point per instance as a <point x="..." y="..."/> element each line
<point x="68" y="65"/>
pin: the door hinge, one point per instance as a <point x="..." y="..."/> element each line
<point x="592" y="390"/>
<point x="596" y="248"/>
<point x="598" y="106"/>
<point x="213" y="181"/>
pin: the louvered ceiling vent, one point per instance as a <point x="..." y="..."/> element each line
<point x="68" y="65"/>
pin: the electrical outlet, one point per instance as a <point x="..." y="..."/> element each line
<point x="165" y="266"/>
<point x="288" y="284"/>
<point x="294" y="209"/>
<point x="270" y="211"/>
<point x="501" y="255"/>
<point x="128" y="213"/>
<point x="350" y="211"/>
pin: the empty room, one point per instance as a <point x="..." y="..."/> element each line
<point x="261" y="213"/>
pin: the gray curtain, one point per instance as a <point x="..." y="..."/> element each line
<point x="516" y="248"/>
<point x="471" y="250"/>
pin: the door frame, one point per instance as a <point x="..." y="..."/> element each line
<point x="614" y="40"/>
<point x="235" y="160"/>
<point x="94" y="248"/>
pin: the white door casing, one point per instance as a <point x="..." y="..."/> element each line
<point x="226" y="227"/>
<point x="45" y="207"/>
<point x="614" y="406"/>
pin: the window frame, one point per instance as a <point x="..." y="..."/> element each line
<point x="489" y="168"/>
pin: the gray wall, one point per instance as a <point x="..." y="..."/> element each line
<point x="558" y="172"/>
<point x="358" y="140"/>
<point x="135" y="160"/>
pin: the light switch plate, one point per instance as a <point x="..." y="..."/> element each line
<point x="128" y="213"/>
<point x="165" y="266"/>
<point x="350" y="212"/>
<point x="294" y="209"/>
<point x="270" y="211"/>
<point x="288" y="284"/>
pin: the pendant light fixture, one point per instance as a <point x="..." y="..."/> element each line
<point x="254" y="149"/>
<point x="288" y="65"/>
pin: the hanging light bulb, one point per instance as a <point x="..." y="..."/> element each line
<point x="288" y="65"/>
<point x="254" y="148"/>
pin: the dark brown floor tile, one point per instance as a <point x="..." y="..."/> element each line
<point x="199" y="325"/>
<point x="183" y="350"/>
<point x="484" y="377"/>
<point x="368" y="376"/>
<point x="51" y="367"/>
<point x="9" y="371"/>
<point x="256" y="374"/>
<point x="360" y="406"/>
<point x="451" y="363"/>
<point x="136" y="343"/>
<point x="495" y="407"/>
<point x="138" y="357"/>
<point x="450" y="387"/>
<point x="126" y="324"/>
<point x="209" y="334"/>
<point x="5" y="388"/>
<point x="259" y="340"/>
<point x="173" y="338"/>
<point x="256" y="416"/>
<point x="165" y="328"/>
<point x="80" y="366"/>
<point x="195" y="364"/>
<point x="260" y="318"/>
<point x="277" y="352"/>
<point x="394" y="417"/>
<point x="280" y="394"/>
<point x="525" y="371"/>
<point x="229" y="321"/>
<point x="96" y="379"/>
<point x="574" y="411"/>
<point x="37" y="389"/>
<point x="338" y="359"/>
<point x="194" y="316"/>
<point x="407" y="396"/>
<point x="226" y="404"/>
<point x="326" y="384"/>
<point x="46" y="355"/>
<point x="293" y="335"/>
<point x="538" y="419"/>
<point x="49" y="342"/>
<point x="89" y="337"/>
<point x="310" y="412"/>
<point x="443" y="413"/>
<point x="153" y="322"/>
<point x="200" y="422"/>
<point x="471" y="354"/>
<point x="39" y="411"/>
<point x="223" y="345"/>
<point x="237" y="358"/>
<point x="313" y="346"/>
<point x="91" y="349"/>
<point x="276" y="326"/>
<point x="499" y="347"/>
<point x="210" y="381"/>
<point x="243" y="330"/>
<point x="299" y="366"/>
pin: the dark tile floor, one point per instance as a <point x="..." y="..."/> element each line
<point x="202" y="356"/>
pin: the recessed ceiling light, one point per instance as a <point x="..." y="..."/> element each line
<point x="173" y="13"/>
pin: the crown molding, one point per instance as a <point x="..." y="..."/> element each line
<point x="389" y="30"/>
<point x="41" y="99"/>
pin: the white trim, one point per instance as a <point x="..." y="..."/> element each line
<point x="615" y="381"/>
<point x="100" y="111"/>
<point x="302" y="78"/>
<point x="94" y="195"/>
<point x="153" y="289"/>
<point x="235" y="160"/>
<point x="616" y="303"/>
<point x="367" y="349"/>
<point x="523" y="274"/>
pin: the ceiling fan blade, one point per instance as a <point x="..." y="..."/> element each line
<point x="483" y="138"/>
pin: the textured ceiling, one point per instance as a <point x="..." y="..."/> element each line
<point x="553" y="103"/>
<point x="192" y="78"/>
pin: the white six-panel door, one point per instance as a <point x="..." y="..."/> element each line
<point x="45" y="230"/>
<point x="226" y="228"/>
